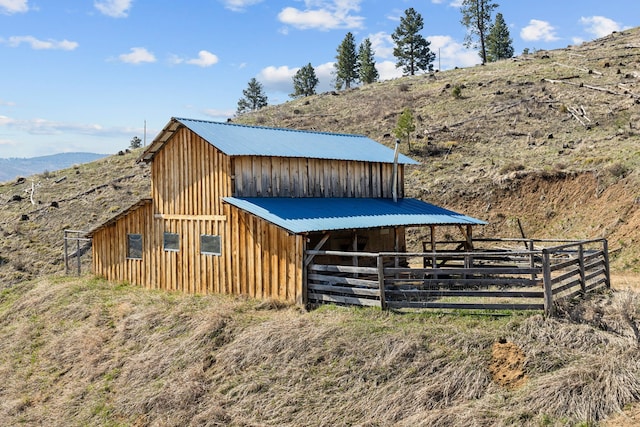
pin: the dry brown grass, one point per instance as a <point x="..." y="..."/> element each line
<point x="85" y="352"/>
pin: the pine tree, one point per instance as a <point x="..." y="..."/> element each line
<point x="412" y="50"/>
<point x="304" y="82"/>
<point x="253" y="98"/>
<point x="405" y="126"/>
<point x="499" y="42"/>
<point x="367" y="63"/>
<point x="135" y="143"/>
<point x="346" y="63"/>
<point x="476" y="16"/>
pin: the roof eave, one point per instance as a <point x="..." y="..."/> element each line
<point x="158" y="142"/>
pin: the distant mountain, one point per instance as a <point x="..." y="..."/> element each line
<point x="14" y="167"/>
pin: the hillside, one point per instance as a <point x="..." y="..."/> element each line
<point x="76" y="198"/>
<point x="86" y="352"/>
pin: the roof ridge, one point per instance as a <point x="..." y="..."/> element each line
<point x="271" y="128"/>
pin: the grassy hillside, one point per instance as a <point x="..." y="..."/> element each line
<point x="77" y="198"/>
<point x="86" y="352"/>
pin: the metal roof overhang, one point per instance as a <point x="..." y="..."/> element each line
<point x="301" y="215"/>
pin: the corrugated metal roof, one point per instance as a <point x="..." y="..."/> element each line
<point x="242" y="140"/>
<point x="299" y="215"/>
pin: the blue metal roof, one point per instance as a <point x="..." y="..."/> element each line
<point x="242" y="140"/>
<point x="299" y="215"/>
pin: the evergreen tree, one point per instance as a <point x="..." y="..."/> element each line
<point x="366" y="63"/>
<point x="499" y="42"/>
<point x="304" y="82"/>
<point x="412" y="50"/>
<point x="476" y="16"/>
<point x="405" y="126"/>
<point x="346" y="63"/>
<point x="135" y="143"/>
<point x="253" y="98"/>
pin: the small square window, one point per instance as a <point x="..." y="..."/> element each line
<point x="210" y="245"/>
<point x="134" y="246"/>
<point x="171" y="242"/>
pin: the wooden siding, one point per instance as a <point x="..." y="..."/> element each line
<point x="189" y="176"/>
<point x="187" y="269"/>
<point x="110" y="248"/>
<point x="299" y="177"/>
<point x="266" y="260"/>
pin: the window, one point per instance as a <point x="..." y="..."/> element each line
<point x="134" y="246"/>
<point x="171" y="242"/>
<point x="210" y="245"/>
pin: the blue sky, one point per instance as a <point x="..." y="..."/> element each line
<point x="86" y="75"/>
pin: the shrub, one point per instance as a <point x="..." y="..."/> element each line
<point x="457" y="92"/>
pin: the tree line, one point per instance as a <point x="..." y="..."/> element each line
<point x="412" y="52"/>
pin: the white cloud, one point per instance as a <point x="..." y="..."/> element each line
<point x="326" y="79"/>
<point x="538" y="30"/>
<point x="599" y="26"/>
<point x="114" y="8"/>
<point x="219" y="115"/>
<point x="138" y="55"/>
<point x="6" y="104"/>
<point x="323" y="15"/>
<point x="456" y="3"/>
<point x="39" y="126"/>
<point x="13" y="6"/>
<point x="239" y="5"/>
<point x="577" y="40"/>
<point x="204" y="59"/>
<point x="37" y="44"/>
<point x="452" y="53"/>
<point x="277" y="79"/>
<point x="387" y="70"/>
<point x="6" y="121"/>
<point x="280" y="79"/>
<point x="382" y="44"/>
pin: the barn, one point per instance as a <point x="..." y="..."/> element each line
<point x="238" y="209"/>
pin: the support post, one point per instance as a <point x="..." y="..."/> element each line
<point x="548" y="290"/>
<point x="583" y="284"/>
<point x="607" y="272"/>
<point x="532" y="258"/>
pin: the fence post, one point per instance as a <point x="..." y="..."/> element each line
<point x="66" y="255"/>
<point x="583" y="284"/>
<point x="607" y="273"/>
<point x="532" y="258"/>
<point x="380" y="265"/>
<point x="78" y="251"/>
<point x="548" y="290"/>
